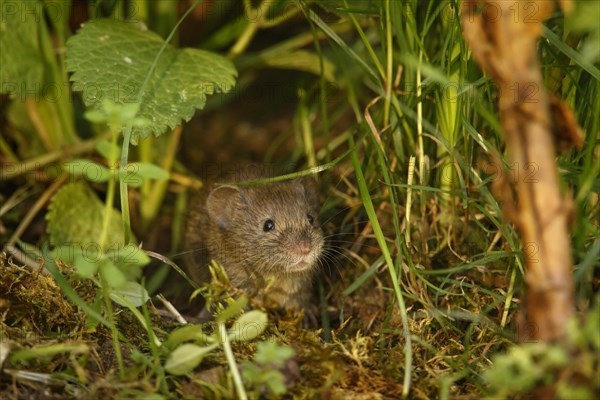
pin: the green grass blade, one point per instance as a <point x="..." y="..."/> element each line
<point x="368" y="204"/>
<point x="569" y="52"/>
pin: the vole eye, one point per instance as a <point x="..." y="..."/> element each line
<point x="269" y="225"/>
<point x="310" y="218"/>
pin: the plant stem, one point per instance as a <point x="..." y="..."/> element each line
<point x="235" y="374"/>
<point x="108" y="204"/>
<point x="128" y="129"/>
<point x="278" y="20"/>
<point x="123" y="185"/>
<point x="389" y="60"/>
<point x="8" y="153"/>
<point x="113" y="326"/>
<point x="409" y="200"/>
<point x="243" y="40"/>
<point x="34" y="115"/>
<point x="252" y="27"/>
<point x="309" y="148"/>
<point x="420" y="145"/>
<point x="154" y="192"/>
<point x="110" y="192"/>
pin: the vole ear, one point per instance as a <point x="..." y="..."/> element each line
<point x="220" y="204"/>
<point x="311" y="191"/>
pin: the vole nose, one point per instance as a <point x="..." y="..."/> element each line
<point x="304" y="246"/>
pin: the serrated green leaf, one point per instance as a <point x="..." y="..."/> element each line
<point x="88" y="169"/>
<point x="186" y="357"/>
<point x="115" y="278"/>
<point x="187" y="333"/>
<point x="75" y="217"/>
<point x="148" y="170"/>
<point x="248" y="326"/>
<point x="110" y="60"/>
<point x="132" y="292"/>
<point x="21" y="68"/>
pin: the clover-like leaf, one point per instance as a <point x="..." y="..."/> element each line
<point x="85" y="266"/>
<point x="187" y="333"/>
<point x="275" y="381"/>
<point x="148" y="171"/>
<point x="106" y="148"/>
<point x="134" y="293"/>
<point x="112" y="274"/>
<point x="186" y="357"/>
<point x="117" y="114"/>
<point x="130" y="176"/>
<point x="128" y="256"/>
<point x="90" y="170"/>
<point x="269" y="352"/>
<point x="248" y="326"/>
<point x="111" y="59"/>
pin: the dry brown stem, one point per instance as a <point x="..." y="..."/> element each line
<point x="502" y="36"/>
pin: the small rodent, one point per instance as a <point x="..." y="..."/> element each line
<point x="259" y="234"/>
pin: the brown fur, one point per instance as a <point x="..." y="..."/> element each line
<point x="227" y="225"/>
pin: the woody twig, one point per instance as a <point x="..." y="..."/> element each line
<point x="504" y="45"/>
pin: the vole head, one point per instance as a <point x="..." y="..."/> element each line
<point x="272" y="228"/>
